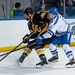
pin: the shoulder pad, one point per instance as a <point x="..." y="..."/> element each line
<point x="43" y="14"/>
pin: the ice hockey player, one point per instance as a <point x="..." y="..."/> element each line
<point x="37" y="22"/>
<point x="59" y="27"/>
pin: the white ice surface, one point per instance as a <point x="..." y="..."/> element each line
<point x="9" y="67"/>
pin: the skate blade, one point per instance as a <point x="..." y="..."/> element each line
<point x="70" y="66"/>
<point x="39" y="66"/>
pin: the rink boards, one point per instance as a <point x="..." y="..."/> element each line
<point x="12" y="32"/>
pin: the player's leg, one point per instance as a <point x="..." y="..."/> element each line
<point x="26" y="52"/>
<point x="41" y="53"/>
<point x="28" y="49"/>
<point x="45" y="39"/>
<point x="53" y="49"/>
<point x="66" y="41"/>
<point x="69" y="54"/>
<point x="54" y="53"/>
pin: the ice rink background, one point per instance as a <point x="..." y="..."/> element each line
<point x="9" y="67"/>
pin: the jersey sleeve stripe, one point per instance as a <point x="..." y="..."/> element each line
<point x="51" y="32"/>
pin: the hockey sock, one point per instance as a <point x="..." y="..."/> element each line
<point x="68" y="52"/>
<point x="53" y="50"/>
<point x="40" y="51"/>
<point x="23" y="56"/>
<point x="27" y="50"/>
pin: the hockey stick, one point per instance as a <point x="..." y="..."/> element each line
<point x="15" y="50"/>
<point x="18" y="48"/>
<point x="6" y="54"/>
<point x="12" y="51"/>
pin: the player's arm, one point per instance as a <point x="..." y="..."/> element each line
<point x="54" y="28"/>
<point x="30" y="27"/>
<point x="46" y="24"/>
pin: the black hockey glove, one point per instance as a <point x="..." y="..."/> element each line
<point x="25" y="39"/>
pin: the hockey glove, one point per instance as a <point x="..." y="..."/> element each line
<point x="38" y="41"/>
<point x="25" y="39"/>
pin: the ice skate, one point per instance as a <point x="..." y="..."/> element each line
<point x="18" y="63"/>
<point x="43" y="63"/>
<point x="70" y="64"/>
<point x="53" y="59"/>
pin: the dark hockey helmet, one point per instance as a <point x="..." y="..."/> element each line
<point x="28" y="10"/>
<point x="17" y="4"/>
